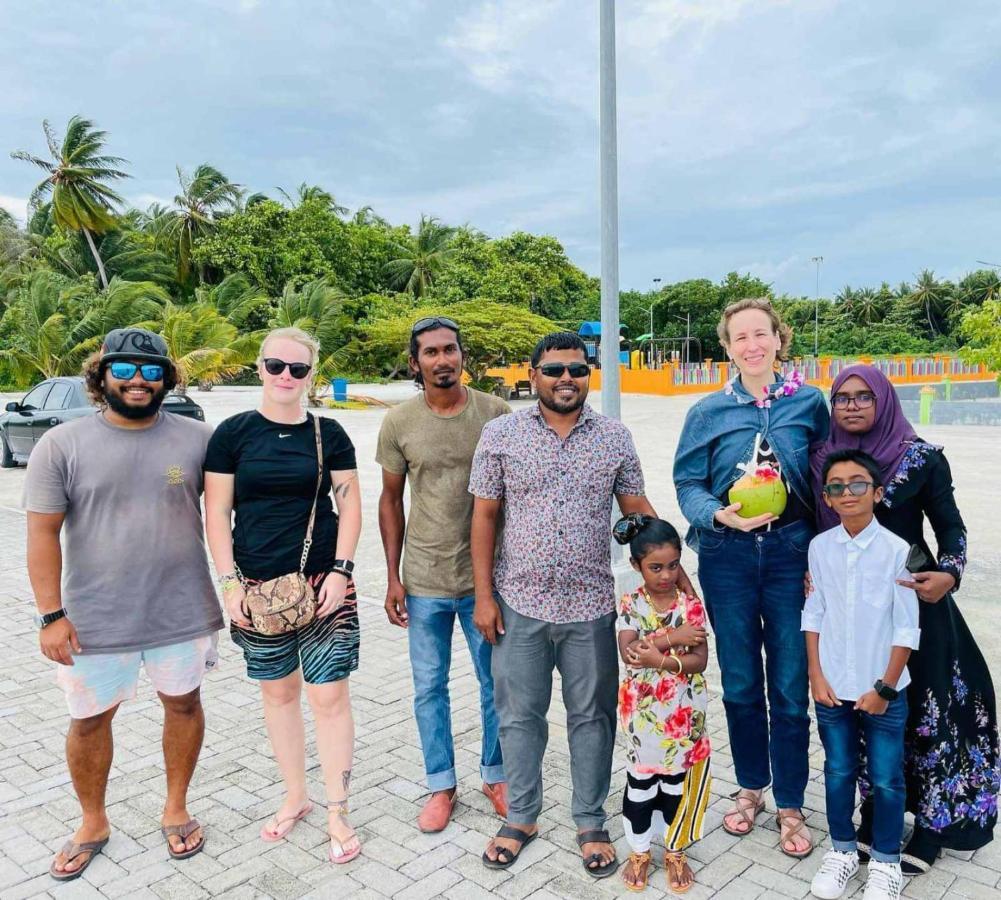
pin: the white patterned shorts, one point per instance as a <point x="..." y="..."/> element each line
<point x="98" y="681"/>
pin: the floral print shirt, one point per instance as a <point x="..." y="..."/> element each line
<point x="555" y="550"/>
<point x="662" y="715"/>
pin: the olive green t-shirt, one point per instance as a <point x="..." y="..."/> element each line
<point x="436" y="453"/>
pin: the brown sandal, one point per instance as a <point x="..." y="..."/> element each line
<point x="71" y="851"/>
<point x="674" y="868"/>
<point x="793" y="824"/>
<point x="183" y="832"/>
<point x="748" y="805"/>
<point x="640" y="863"/>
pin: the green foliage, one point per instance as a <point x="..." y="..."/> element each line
<point x="492" y="334"/>
<point x="981" y="326"/>
<point x="204" y="343"/>
<point x="275" y="246"/>
<point x="52" y="323"/>
<point x="219" y="266"/>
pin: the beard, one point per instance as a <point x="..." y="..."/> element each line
<point x="117" y="403"/>
<point x="444" y="379"/>
<point x="551" y="401"/>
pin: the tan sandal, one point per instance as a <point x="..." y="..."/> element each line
<point x="748" y="805"/>
<point x="792" y="824"/>
<point x="675" y="863"/>
<point x="640" y="863"/>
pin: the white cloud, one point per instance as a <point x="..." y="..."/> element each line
<point x="16" y="206"/>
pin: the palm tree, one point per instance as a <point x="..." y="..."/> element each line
<point x="366" y="215"/>
<point x="307" y="192"/>
<point x="204" y="344"/>
<point x="236" y="299"/>
<point x="867" y="306"/>
<point x="421" y="257"/>
<point x="204" y="196"/>
<point x="929" y="296"/>
<point x="52" y="338"/>
<point x="78" y="177"/>
<point x="317" y="308"/>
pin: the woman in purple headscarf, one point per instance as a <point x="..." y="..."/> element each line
<point x="951" y="758"/>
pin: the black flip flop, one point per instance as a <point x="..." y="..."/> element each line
<point x="71" y="851"/>
<point x="602" y="870"/>
<point x="513" y="834"/>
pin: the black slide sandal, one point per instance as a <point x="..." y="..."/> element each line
<point x="602" y="870"/>
<point x="509" y="858"/>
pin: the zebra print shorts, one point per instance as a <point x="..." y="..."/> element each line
<point x="327" y="648"/>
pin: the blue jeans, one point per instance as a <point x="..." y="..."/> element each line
<point x="884" y="739"/>
<point x="432" y="620"/>
<point x="753" y="585"/>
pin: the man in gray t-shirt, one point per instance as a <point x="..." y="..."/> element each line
<point x="129" y="587"/>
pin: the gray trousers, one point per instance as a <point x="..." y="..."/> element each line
<point x="522" y="666"/>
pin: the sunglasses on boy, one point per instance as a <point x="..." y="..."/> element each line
<point x="855" y="488"/>
<point x="430" y="322"/>
<point x="863" y="400"/>
<point x="274" y="366"/>
<point x="556" y="370"/>
<point x="125" y="371"/>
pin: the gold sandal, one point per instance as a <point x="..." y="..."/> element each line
<point x="793" y="824"/>
<point x="640" y="863"/>
<point x="748" y="805"/>
<point x="674" y="868"/>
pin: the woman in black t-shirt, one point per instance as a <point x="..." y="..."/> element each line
<point x="262" y="467"/>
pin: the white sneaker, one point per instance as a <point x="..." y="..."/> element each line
<point x="884" y="882"/>
<point x="834" y="873"/>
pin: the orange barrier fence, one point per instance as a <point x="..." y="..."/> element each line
<point x="701" y="378"/>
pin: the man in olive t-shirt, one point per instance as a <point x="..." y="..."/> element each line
<point x="431" y="440"/>
<point x="128" y="587"/>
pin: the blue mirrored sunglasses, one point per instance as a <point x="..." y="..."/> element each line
<point x="124" y="371"/>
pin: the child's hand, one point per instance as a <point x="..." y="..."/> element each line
<point x="872" y="703"/>
<point x="644" y="655"/>
<point x="822" y="691"/>
<point x="687" y="636"/>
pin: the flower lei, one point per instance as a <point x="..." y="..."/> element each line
<point x="785" y="388"/>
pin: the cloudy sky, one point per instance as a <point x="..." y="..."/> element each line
<point x="753" y="134"/>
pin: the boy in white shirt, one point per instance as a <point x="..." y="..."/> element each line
<point x="860" y="629"/>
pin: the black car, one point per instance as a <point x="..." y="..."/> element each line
<point x="59" y="400"/>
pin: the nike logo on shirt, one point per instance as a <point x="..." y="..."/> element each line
<point x="284" y="435"/>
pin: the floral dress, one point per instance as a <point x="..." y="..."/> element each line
<point x="951" y="762"/>
<point x="663" y="715"/>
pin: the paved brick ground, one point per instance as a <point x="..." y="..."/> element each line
<point x="235" y="790"/>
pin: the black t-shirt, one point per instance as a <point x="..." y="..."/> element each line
<point x="275" y="468"/>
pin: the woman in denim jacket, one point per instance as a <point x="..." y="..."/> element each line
<point x="751" y="569"/>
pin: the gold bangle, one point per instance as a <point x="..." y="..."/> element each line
<point x="663" y="659"/>
<point x="681" y="665"/>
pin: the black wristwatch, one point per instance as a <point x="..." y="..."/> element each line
<point x="885" y="691"/>
<point x="343" y="567"/>
<point x="49" y="618"/>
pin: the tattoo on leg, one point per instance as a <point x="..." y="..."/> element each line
<point x="346" y="780"/>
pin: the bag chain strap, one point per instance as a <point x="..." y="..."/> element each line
<point x="316" y="497"/>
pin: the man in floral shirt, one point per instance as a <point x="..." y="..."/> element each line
<point x="550" y="598"/>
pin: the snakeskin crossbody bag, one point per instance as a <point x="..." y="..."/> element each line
<point x="288" y="602"/>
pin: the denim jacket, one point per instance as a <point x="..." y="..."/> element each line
<point x="718" y="435"/>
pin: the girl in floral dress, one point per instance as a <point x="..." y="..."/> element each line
<point x="662" y="705"/>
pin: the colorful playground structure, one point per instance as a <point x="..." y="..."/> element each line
<point x="676" y="377"/>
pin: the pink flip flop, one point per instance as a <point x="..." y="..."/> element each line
<point x="284" y="826"/>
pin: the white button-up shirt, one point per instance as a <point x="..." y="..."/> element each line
<point x="857" y="608"/>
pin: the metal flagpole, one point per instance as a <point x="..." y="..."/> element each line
<point x="610" y="404"/>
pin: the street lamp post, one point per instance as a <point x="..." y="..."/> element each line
<point x="610" y="401"/>
<point x="816" y="307"/>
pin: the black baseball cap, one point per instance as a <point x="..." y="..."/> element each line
<point x="135" y="343"/>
